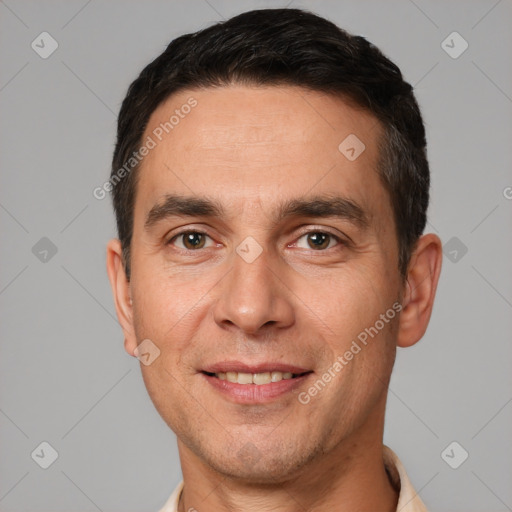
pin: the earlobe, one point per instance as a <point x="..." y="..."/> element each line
<point x="420" y="289"/>
<point x="122" y="293"/>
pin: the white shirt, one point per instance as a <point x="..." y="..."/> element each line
<point x="408" y="499"/>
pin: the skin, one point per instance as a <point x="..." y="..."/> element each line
<point x="251" y="148"/>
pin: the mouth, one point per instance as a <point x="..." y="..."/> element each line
<point x="241" y="383"/>
<point x="259" y="379"/>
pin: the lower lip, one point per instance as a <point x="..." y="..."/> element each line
<point x="255" y="393"/>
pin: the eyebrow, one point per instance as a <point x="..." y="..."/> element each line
<point x="317" y="206"/>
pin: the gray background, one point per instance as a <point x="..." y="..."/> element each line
<point x="64" y="376"/>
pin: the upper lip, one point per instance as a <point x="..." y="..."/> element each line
<point x="240" y="367"/>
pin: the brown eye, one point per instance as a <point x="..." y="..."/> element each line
<point x="318" y="240"/>
<point x="190" y="240"/>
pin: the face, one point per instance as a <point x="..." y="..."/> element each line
<point x="261" y="248"/>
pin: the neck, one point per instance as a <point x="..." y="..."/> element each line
<point x="352" y="474"/>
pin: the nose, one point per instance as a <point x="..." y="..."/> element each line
<point x="253" y="297"/>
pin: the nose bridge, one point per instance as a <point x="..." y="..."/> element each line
<point x="252" y="296"/>
<point x="252" y="274"/>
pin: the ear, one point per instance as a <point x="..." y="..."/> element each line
<point x="121" y="291"/>
<point x="420" y="289"/>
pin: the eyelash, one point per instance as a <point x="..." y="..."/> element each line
<point x="340" y="241"/>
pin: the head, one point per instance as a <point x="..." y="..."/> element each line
<point x="249" y="236"/>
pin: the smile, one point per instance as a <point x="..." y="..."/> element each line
<point x="254" y="378"/>
<point x="254" y="384"/>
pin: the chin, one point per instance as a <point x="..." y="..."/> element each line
<point x="274" y="465"/>
<point x="261" y="474"/>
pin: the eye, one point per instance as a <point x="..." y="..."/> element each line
<point x="190" y="240"/>
<point x="318" y="240"/>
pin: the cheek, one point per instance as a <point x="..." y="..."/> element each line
<point x="162" y="302"/>
<point x="350" y="300"/>
<point x="352" y="307"/>
<point x="168" y="311"/>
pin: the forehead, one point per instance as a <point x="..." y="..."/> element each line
<point x="255" y="146"/>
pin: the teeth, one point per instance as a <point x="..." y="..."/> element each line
<point x="261" y="378"/>
<point x="244" y="378"/>
<point x="254" y="378"/>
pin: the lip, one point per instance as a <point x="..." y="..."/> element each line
<point x="254" y="393"/>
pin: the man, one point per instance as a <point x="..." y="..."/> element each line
<point x="270" y="184"/>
